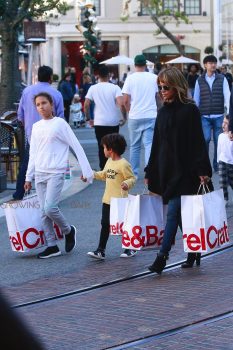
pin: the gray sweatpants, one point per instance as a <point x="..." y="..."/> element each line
<point x="48" y="189"/>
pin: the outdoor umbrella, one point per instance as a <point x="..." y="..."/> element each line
<point x="182" y="59"/>
<point x="119" y="60"/>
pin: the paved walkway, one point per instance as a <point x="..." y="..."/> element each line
<point x="122" y="312"/>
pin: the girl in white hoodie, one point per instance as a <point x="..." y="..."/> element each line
<point x="49" y="150"/>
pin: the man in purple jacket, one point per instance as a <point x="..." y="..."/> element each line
<point x="28" y="115"/>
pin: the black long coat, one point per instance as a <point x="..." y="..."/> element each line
<point x="179" y="153"/>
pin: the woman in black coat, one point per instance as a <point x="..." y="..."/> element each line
<point x="179" y="160"/>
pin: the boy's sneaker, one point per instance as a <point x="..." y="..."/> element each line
<point x="70" y="239"/>
<point x="128" y="253"/>
<point x="49" y="252"/>
<point x="97" y="254"/>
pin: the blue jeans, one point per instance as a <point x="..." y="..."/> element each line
<point x="19" y="193"/>
<point x="207" y="125"/>
<point x="140" y="131"/>
<point x="173" y="221"/>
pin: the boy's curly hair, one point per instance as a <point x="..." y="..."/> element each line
<point x="116" y="142"/>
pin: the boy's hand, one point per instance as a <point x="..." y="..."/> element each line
<point x="27" y="186"/>
<point x="84" y="179"/>
<point x="230" y="135"/>
<point x="124" y="186"/>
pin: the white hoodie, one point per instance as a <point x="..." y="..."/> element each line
<point x="49" y="149"/>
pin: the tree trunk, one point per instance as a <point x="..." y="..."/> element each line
<point x="168" y="34"/>
<point x="10" y="84"/>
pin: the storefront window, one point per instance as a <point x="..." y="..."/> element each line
<point x="170" y="5"/>
<point x="167" y="5"/>
<point x="192" y="7"/>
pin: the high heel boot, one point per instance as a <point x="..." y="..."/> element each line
<point x="159" y="264"/>
<point x="191" y="258"/>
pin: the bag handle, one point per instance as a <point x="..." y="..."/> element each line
<point x="203" y="187"/>
<point x="145" y="190"/>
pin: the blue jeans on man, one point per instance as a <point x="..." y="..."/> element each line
<point x="140" y="131"/>
<point x="214" y="124"/>
<point x="19" y="193"/>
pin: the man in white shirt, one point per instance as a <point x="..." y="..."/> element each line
<point x="107" y="98"/>
<point x="139" y="93"/>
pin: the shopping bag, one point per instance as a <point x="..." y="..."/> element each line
<point x="204" y="222"/>
<point x="117" y="214"/>
<point x="144" y="222"/>
<point x="24" y="224"/>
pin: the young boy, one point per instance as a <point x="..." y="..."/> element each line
<point x="119" y="178"/>
<point x="225" y="159"/>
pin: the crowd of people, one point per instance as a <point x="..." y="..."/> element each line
<point x="171" y="114"/>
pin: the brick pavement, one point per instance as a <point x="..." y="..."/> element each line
<point x="133" y="309"/>
<point x="214" y="336"/>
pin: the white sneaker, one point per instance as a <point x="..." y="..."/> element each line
<point x="97" y="254"/>
<point x="128" y="253"/>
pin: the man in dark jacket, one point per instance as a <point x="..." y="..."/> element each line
<point x="212" y="97"/>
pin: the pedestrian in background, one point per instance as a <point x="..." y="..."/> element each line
<point x="227" y="75"/>
<point x="50" y="142"/>
<point x="212" y="96"/>
<point x="192" y="77"/>
<point x="119" y="179"/>
<point x="87" y="83"/>
<point x="76" y="111"/>
<point x="225" y="159"/>
<point x="28" y="115"/>
<point x="139" y="93"/>
<point x="66" y="89"/>
<point x="107" y="115"/>
<point x="231" y="117"/>
<point x="179" y="160"/>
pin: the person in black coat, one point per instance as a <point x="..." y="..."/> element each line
<point x="179" y="160"/>
<point x="231" y="117"/>
<point x="15" y="334"/>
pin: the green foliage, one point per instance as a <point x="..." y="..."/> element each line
<point x="208" y="50"/>
<point x="55" y="77"/>
<point x="156" y="8"/>
<point x="14" y="12"/>
<point x="92" y="39"/>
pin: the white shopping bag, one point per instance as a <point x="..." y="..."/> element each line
<point x="117" y="214"/>
<point x="24" y="224"/>
<point x="144" y="222"/>
<point x="204" y="222"/>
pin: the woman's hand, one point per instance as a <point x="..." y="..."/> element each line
<point x="204" y="179"/>
<point x="27" y="186"/>
<point x="124" y="186"/>
<point x="146" y="181"/>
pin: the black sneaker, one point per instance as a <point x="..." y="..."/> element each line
<point x="49" y="252"/>
<point x="128" y="253"/>
<point x="97" y="254"/>
<point x="70" y="239"/>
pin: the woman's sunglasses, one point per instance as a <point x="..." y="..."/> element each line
<point x="164" y="87"/>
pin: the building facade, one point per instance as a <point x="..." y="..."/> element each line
<point x="133" y="36"/>
<point x="223" y="38"/>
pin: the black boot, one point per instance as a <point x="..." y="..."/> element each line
<point x="159" y="264"/>
<point x="191" y="258"/>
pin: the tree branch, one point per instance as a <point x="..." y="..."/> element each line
<point x="168" y="34"/>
